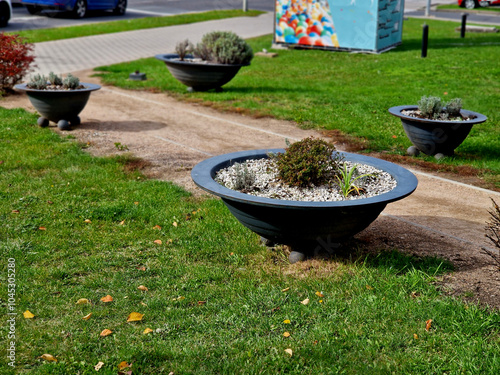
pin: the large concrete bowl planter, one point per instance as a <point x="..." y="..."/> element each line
<point x="59" y="106"/>
<point x="302" y="225"/>
<point x="434" y="137"/>
<point x="200" y="76"/>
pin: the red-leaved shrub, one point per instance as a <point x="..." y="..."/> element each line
<point x="15" y="60"/>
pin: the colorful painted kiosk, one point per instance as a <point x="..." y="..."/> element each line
<point x="345" y="25"/>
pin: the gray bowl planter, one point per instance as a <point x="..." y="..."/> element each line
<point x="59" y="106"/>
<point x="200" y="76"/>
<point x="302" y="225"/>
<point x="433" y="137"/>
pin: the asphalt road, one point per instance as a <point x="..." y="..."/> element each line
<point x="22" y="20"/>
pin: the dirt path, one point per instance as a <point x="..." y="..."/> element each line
<point x="442" y="218"/>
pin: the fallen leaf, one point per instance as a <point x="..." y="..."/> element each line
<point x="135" y="317"/>
<point x="320" y="301"/>
<point x="180" y="298"/>
<point x="394" y="136"/>
<point x="369" y="287"/>
<point x="123" y="365"/>
<point x="286" y="334"/>
<point x="174" y="224"/>
<point x="428" y="325"/>
<point x="415" y="336"/>
<point x="414" y="294"/>
<point x="319" y="294"/>
<point x="42" y="228"/>
<point x="157" y="242"/>
<point x="106" y="299"/>
<point x="48" y="357"/>
<point x="50" y="202"/>
<point x="286" y="321"/>
<point x="98" y="366"/>
<point x="285" y="290"/>
<point x="157" y="227"/>
<point x="82" y="301"/>
<point x="28" y="315"/>
<point x="122" y="222"/>
<point x="305" y="302"/>
<point x="445" y="93"/>
<point x="289" y="352"/>
<point x="143" y="288"/>
<point x="143" y="304"/>
<point x="136" y="203"/>
<point x="201" y="302"/>
<point x="87" y="317"/>
<point x="142" y="268"/>
<point x="88" y="220"/>
<point x="147" y="330"/>
<point x="15" y="211"/>
<point x="106" y="332"/>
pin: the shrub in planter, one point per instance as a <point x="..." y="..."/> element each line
<point x="211" y="63"/>
<point x="15" y="60"/>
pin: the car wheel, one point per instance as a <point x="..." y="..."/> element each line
<point x="471" y="4"/>
<point x="120" y="8"/>
<point x="4" y="15"/>
<point x="80" y="9"/>
<point x="33" y="9"/>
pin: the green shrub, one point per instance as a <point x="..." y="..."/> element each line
<point x="54" y="79"/>
<point x="71" y="82"/>
<point x="308" y="162"/>
<point x="431" y="107"/>
<point x="37" y="82"/>
<point x="183" y="48"/>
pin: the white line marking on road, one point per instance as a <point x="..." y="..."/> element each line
<point x="149" y="12"/>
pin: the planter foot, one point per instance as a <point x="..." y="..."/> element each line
<point x="42" y="122"/>
<point x="264" y="241"/>
<point x="413" y="151"/>
<point x="63" y="125"/>
<point x="75" y="121"/>
<point x="296" y="256"/>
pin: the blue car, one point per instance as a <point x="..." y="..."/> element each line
<point x="78" y="8"/>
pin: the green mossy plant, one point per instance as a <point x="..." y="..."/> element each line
<point x="431" y="107"/>
<point x="308" y="162"/>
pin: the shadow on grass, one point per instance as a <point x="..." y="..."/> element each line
<point x="445" y="43"/>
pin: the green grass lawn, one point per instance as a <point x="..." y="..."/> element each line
<point x="80" y="227"/>
<point x="45" y="35"/>
<point x="352" y="92"/>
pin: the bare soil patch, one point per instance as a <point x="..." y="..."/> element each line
<point x="167" y="138"/>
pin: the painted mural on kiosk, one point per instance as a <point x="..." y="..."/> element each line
<point x="365" y="25"/>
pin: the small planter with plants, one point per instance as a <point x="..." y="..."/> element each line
<point x="436" y="128"/>
<point x="58" y="100"/>
<point x="211" y="63"/>
<point x="308" y="196"/>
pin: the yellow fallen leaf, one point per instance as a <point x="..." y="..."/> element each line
<point x="48" y="357"/>
<point x="285" y="290"/>
<point x="134" y="317"/>
<point x="122" y="222"/>
<point x="28" y="315"/>
<point x="136" y="203"/>
<point x="147" y="330"/>
<point x="369" y="287"/>
<point x="123" y="365"/>
<point x="415" y="336"/>
<point x="88" y="220"/>
<point x="289" y="352"/>
<point x="174" y="224"/>
<point x="106" y="299"/>
<point x="319" y="294"/>
<point x="143" y="288"/>
<point x="82" y="301"/>
<point x="106" y="332"/>
<point x="157" y="227"/>
<point x="157" y="242"/>
<point x="180" y="298"/>
<point x="144" y="304"/>
<point x="286" y="334"/>
<point x="428" y="325"/>
<point x="99" y="365"/>
<point x="305" y="302"/>
<point x="286" y="321"/>
<point x="87" y="317"/>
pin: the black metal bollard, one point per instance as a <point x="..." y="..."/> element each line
<point x="464" y="23"/>
<point x="425" y="40"/>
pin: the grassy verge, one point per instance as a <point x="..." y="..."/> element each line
<point x="457" y="8"/>
<point x="352" y="92"/>
<point x="77" y="227"/>
<point x="45" y="35"/>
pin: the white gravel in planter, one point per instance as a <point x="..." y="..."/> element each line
<point x="259" y="177"/>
